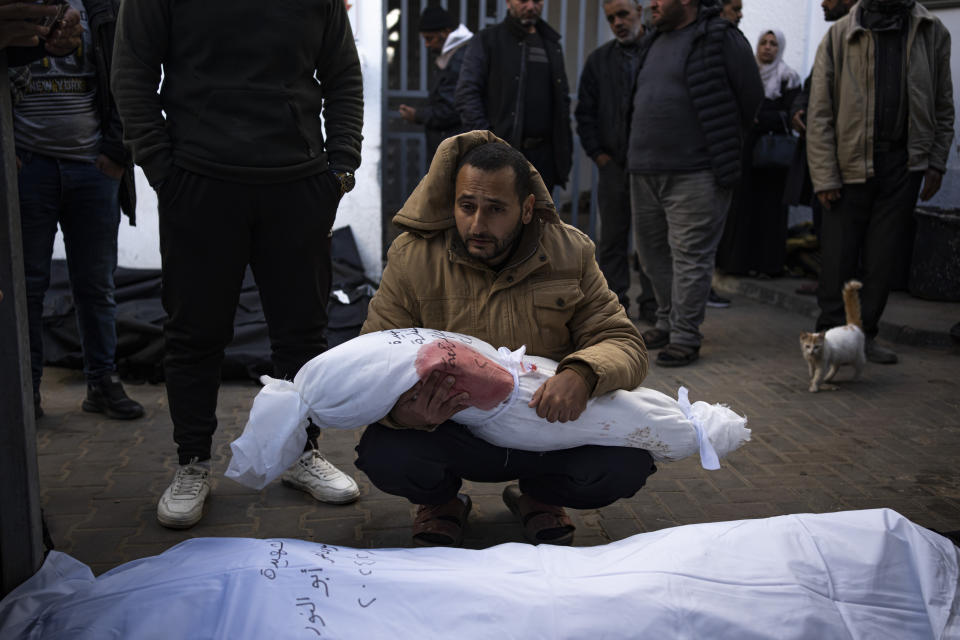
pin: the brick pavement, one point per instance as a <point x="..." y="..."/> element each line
<point x="890" y="440"/>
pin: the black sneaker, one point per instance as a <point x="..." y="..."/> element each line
<point x="648" y="310"/>
<point x="106" y="395"/>
<point x="716" y="301"/>
<point x="878" y="354"/>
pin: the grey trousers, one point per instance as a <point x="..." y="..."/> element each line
<point x="677" y="221"/>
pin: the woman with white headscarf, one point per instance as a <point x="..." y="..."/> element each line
<point x="755" y="237"/>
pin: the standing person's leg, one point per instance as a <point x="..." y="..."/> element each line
<point x="39" y="185"/>
<point x="653" y="249"/>
<point x="889" y="223"/>
<point x="696" y="208"/>
<point x="290" y="258"/>
<point x="204" y="248"/>
<point x="90" y="219"/>
<point x="613" y="199"/>
<point x="842" y="231"/>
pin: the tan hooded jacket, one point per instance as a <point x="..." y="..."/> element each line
<point x="841" y="113"/>
<point x="550" y="296"/>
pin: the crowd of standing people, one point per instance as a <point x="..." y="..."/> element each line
<point x="683" y="98"/>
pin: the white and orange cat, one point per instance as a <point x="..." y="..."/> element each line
<point x="827" y="350"/>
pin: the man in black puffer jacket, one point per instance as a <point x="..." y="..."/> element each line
<point x="697" y="91"/>
<point x="513" y="83"/>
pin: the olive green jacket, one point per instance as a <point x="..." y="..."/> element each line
<point x="550" y="296"/>
<point x="841" y="113"/>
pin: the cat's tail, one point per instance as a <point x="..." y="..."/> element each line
<point x="851" y="302"/>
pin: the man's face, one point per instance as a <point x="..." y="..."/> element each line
<point x="434" y="40"/>
<point x="833" y="10"/>
<point x="488" y="214"/>
<point x="733" y="11"/>
<point x="526" y="11"/>
<point x="623" y="16"/>
<point x="668" y="14"/>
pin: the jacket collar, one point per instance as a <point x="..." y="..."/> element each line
<point x="518" y="31"/>
<point x="704" y="13"/>
<point x="853" y="26"/>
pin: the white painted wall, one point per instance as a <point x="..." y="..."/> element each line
<point x="139" y="246"/>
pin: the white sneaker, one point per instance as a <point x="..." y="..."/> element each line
<point x="313" y="474"/>
<point x="181" y="505"/>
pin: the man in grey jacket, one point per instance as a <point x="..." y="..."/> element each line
<point x="879" y="123"/>
<point x="244" y="175"/>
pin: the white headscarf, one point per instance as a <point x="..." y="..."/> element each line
<point x="775" y="73"/>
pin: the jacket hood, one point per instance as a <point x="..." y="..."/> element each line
<point x="457" y="39"/>
<point x="429" y="209"/>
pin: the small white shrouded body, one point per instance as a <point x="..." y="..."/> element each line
<point x="359" y="381"/>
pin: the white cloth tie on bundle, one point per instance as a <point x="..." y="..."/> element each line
<point x="359" y="381"/>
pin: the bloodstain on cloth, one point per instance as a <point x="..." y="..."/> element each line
<point x="487" y="382"/>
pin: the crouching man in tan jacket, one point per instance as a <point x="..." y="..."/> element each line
<point x="485" y="254"/>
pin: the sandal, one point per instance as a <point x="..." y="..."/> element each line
<point x="655" y="338"/>
<point x="678" y="355"/>
<point x="542" y="523"/>
<point x="442" y="525"/>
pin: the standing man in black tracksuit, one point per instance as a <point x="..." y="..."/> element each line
<point x="447" y="41"/>
<point x="244" y="175"/>
<point x="603" y="108"/>
<point x="513" y="83"/>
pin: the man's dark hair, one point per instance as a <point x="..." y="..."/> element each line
<point x="494" y="156"/>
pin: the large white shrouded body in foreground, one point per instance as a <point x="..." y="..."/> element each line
<point x="870" y="575"/>
<point x="359" y="381"/>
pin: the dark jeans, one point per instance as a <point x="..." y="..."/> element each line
<point x="210" y="230"/>
<point x="861" y="235"/>
<point x="85" y="203"/>
<point x="427" y="467"/>
<point x="613" y="242"/>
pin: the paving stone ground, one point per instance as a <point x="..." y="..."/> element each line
<point x="889" y="440"/>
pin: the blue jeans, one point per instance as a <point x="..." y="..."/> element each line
<point x="85" y="203"/>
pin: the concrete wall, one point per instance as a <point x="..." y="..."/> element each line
<point x="140" y="247"/>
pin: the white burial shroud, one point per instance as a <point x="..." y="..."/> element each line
<point x="359" y="381"/>
<point x="854" y="575"/>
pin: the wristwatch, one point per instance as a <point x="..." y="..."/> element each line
<point x="347" y="181"/>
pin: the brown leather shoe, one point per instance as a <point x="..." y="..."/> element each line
<point x="442" y="525"/>
<point x="656" y="338"/>
<point x="542" y="523"/>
